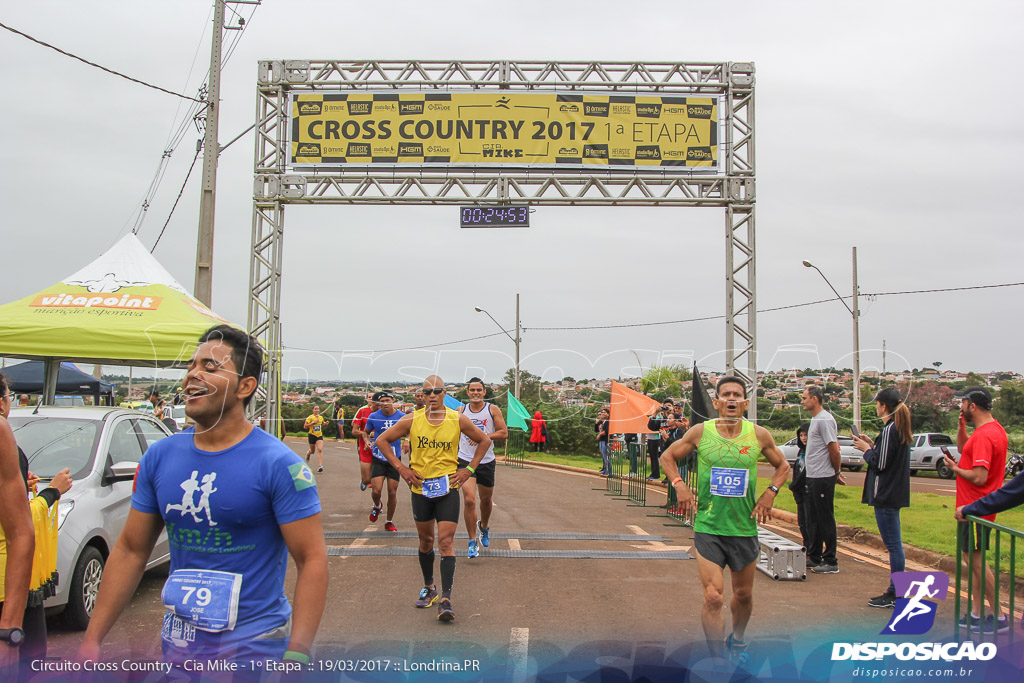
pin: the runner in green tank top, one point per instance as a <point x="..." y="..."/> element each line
<point x="727" y="509"/>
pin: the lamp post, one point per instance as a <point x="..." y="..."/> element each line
<point x="855" y="313"/>
<point x="515" y="341"/>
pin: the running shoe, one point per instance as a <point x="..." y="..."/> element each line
<point x="975" y="620"/>
<point x="885" y="600"/>
<point x="444" y="610"/>
<point x="737" y="651"/>
<point x="484" y="534"/>
<point x="320" y="469"/>
<point x="375" y="512"/>
<point x="825" y="569"/>
<point x="1002" y="627"/>
<point x="474" y="549"/>
<point x="362" y="486"/>
<point x="390" y="526"/>
<point x="428" y="596"/>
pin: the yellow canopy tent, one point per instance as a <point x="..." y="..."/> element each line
<point x="124" y="308"/>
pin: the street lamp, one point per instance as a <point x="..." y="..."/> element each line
<point x="855" y="312"/>
<point x="515" y="341"/>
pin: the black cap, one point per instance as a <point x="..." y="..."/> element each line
<point x="376" y="396"/>
<point x="384" y="394"/>
<point x="979" y="396"/>
<point x="889" y="396"/>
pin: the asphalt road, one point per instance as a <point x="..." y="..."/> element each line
<point x="525" y="614"/>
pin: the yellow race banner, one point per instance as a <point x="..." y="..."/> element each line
<point x="504" y="129"/>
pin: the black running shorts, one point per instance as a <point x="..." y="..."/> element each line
<point x="736" y="551"/>
<point x="313" y="439"/>
<point x="380" y="468"/>
<point x="443" y="509"/>
<point x="484" y="473"/>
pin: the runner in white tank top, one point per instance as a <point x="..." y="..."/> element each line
<point x="488" y="418"/>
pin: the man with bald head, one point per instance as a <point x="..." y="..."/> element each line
<point x="434" y="477"/>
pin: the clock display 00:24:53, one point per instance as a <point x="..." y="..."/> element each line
<point x="479" y="216"/>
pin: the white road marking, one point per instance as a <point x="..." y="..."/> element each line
<point x="360" y="543"/>
<point x="513" y="544"/>
<point x="518" y="653"/>
<point x="658" y="546"/>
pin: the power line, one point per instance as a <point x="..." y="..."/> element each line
<point x="180" y="192"/>
<point x="770" y="310"/>
<point x="102" y="68"/>
<point x="407" y="348"/>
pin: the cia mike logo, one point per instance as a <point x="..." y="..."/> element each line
<point x="914" y="613"/>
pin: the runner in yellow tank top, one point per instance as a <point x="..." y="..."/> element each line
<point x="723" y="534"/>
<point x="434" y="478"/>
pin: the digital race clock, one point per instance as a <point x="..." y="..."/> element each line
<point x="494" y="217"/>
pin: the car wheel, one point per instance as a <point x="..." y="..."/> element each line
<point x="85" y="585"/>
<point x="913" y="473"/>
<point x="944" y="471"/>
<point x="857" y="468"/>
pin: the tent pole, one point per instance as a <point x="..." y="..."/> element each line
<point x="50" y="370"/>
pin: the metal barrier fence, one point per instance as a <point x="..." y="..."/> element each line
<point x="617" y="457"/>
<point x="977" y="593"/>
<point x="636" y="480"/>
<point x="688" y="471"/>
<point x="515" y="448"/>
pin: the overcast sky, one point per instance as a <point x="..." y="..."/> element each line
<point x="893" y="127"/>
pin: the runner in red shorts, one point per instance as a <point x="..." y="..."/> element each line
<point x="363" y="439"/>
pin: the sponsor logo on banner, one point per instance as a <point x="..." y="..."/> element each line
<point x="124" y="302"/>
<point x="568" y="107"/>
<point x="674" y="153"/>
<point x="913" y="615"/>
<point x="308" y="149"/>
<point x="648" y="152"/>
<point x="595" y="151"/>
<point x="568" y="151"/>
<point x="410" y="149"/>
<point x="358" y="149"/>
<point x="699" y="154"/>
<point x="699" y="111"/>
<point x="360" y="108"/>
<point x="409" y="108"/>
<point x="647" y="110"/>
<point x="310" y="107"/>
<point x="595" y="109"/>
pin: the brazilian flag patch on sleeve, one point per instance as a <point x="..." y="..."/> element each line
<point x="302" y="476"/>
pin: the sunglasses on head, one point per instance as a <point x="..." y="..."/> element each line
<point x="435" y="390"/>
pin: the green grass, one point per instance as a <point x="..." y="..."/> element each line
<point x="589" y="462"/>
<point x="928" y="523"/>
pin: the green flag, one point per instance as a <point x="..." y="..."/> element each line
<point x="517" y="415"/>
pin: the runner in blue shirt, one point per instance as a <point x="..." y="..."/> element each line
<point x="376" y="424"/>
<point x="235" y="502"/>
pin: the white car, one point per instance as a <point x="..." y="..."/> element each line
<point x="850" y="457"/>
<point x="102" y="447"/>
<point x="928" y="450"/>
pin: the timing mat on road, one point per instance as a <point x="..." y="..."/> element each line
<point x="522" y="537"/>
<point x="396" y="551"/>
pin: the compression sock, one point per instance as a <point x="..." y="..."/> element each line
<point x="427" y="567"/>
<point x="447" y="576"/>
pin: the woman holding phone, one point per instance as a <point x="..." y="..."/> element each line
<point x="887" y="483"/>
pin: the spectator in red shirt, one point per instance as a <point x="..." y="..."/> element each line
<point x="980" y="471"/>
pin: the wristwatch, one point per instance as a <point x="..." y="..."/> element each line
<point x="12" y="636"/>
<point x="774" y="488"/>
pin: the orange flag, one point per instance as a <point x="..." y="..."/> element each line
<point x="629" y="411"/>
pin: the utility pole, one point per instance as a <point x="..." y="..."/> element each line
<point x="211" y="150"/>
<point x="518" y="339"/>
<point x="856" y="347"/>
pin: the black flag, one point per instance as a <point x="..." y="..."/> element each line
<point x="700" y="404"/>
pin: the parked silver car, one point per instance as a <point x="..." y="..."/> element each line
<point x="928" y="450"/>
<point x="850" y="457"/>
<point x="102" y="447"/>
